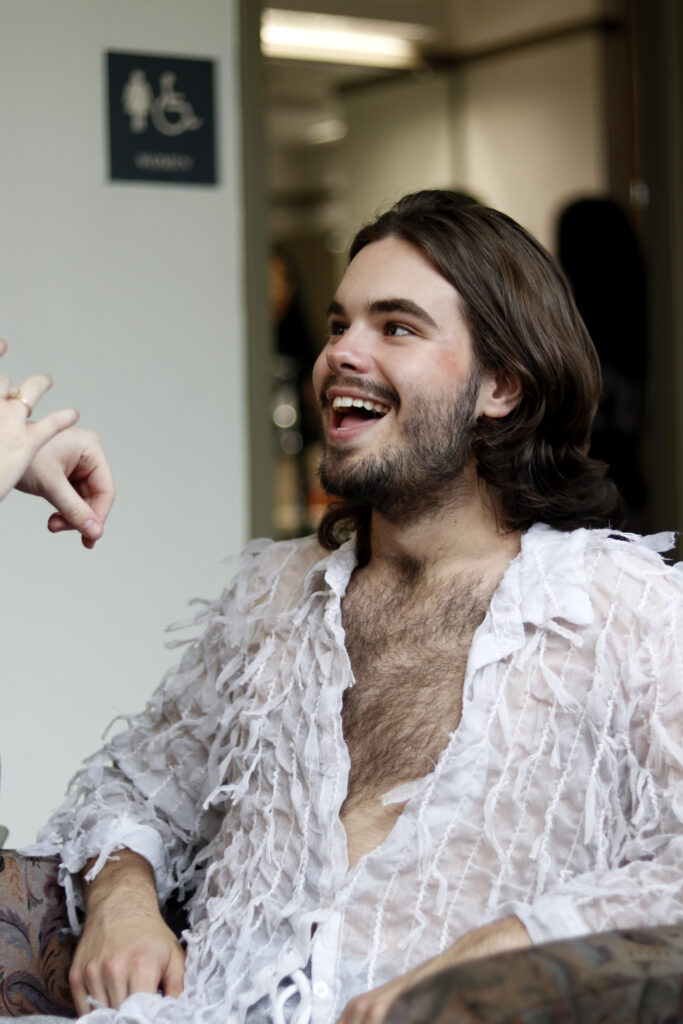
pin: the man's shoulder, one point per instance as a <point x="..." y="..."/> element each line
<point x="275" y="572"/>
<point x="628" y="552"/>
<point x="274" y="553"/>
<point x="627" y="571"/>
<point x="634" y="554"/>
<point x="620" y="573"/>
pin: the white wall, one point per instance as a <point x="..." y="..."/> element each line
<point x="131" y="297"/>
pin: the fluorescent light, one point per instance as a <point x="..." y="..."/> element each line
<point x="297" y="35"/>
<point x="318" y="133"/>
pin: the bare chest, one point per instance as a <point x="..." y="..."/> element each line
<point x="408" y="648"/>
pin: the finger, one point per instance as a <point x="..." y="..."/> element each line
<point x="94" y="481"/>
<point x="32" y="390"/>
<point x="99" y="491"/>
<point x="172" y="981"/>
<point x="96" y="493"/>
<point x="145" y="976"/>
<point x="115" y="982"/>
<point x="3" y="346"/>
<point x="75" y="513"/>
<point x="93" y="985"/>
<point x="47" y="427"/>
<point x="57" y="523"/>
<point x="78" y="991"/>
<point x="91" y="531"/>
<point x="80" y="998"/>
<point x="33" y="437"/>
<point x="41" y="431"/>
<point x="369" y="1008"/>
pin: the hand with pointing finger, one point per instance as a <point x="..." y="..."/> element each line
<point x="71" y="472"/>
<point x="49" y="458"/>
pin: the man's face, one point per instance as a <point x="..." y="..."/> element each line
<point x="397" y="384"/>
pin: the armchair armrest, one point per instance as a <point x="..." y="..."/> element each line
<point x="35" y="944"/>
<point x="625" y="977"/>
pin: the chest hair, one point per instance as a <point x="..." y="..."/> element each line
<point x="408" y="644"/>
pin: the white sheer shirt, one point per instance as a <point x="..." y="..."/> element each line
<point x="558" y="798"/>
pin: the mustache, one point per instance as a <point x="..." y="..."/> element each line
<point x="383" y="392"/>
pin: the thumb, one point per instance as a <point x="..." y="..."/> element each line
<point x="73" y="512"/>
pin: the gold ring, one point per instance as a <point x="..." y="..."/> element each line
<point x="16" y="393"/>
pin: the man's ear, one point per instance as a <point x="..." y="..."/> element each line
<point x="499" y="394"/>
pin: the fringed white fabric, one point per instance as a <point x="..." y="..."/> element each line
<point x="558" y="798"/>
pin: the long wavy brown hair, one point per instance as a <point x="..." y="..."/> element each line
<point x="524" y="322"/>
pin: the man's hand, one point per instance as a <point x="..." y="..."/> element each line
<point x="499" y="937"/>
<point x="126" y="947"/>
<point x="71" y="472"/>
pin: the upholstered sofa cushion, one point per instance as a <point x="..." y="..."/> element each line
<point x="35" y="946"/>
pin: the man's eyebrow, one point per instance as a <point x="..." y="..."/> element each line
<point x="380" y="306"/>
<point x="402" y="306"/>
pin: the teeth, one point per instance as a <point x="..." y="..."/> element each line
<point x="346" y="402"/>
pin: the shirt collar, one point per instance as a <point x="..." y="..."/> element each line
<point x="550" y="574"/>
<point x="545" y="585"/>
<point x="334" y="569"/>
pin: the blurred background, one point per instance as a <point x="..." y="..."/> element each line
<point x="183" y="320"/>
<point x="554" y="112"/>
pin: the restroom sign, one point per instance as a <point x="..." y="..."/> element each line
<point x="161" y="119"/>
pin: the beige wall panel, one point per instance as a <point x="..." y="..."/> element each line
<point x="476" y="24"/>
<point x="533" y="130"/>
<point x="399" y="140"/>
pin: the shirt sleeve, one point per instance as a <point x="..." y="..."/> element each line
<point x="149" y="788"/>
<point x="158" y="787"/>
<point x="643" y="886"/>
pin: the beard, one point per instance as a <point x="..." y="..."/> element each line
<point x="422" y="475"/>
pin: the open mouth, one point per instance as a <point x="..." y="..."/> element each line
<point x="350" y="412"/>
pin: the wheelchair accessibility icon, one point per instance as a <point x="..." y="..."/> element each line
<point x="170" y="113"/>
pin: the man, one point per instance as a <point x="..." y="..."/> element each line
<point x="454" y="732"/>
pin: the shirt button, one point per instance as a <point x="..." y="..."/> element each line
<point x="321" y="989"/>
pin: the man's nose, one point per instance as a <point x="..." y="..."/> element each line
<point x="349" y="352"/>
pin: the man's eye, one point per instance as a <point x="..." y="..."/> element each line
<point x="397" y="330"/>
<point x="336" y="327"/>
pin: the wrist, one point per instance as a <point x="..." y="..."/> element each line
<point x="126" y="881"/>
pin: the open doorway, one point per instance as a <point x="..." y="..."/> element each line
<point x="308" y="192"/>
<point x="527" y="111"/>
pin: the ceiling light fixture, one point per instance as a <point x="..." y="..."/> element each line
<point x="297" y="35"/>
<point x="319" y="133"/>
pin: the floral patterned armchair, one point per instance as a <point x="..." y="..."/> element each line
<point x="35" y="945"/>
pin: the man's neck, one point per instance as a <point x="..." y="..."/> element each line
<point x="462" y="536"/>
